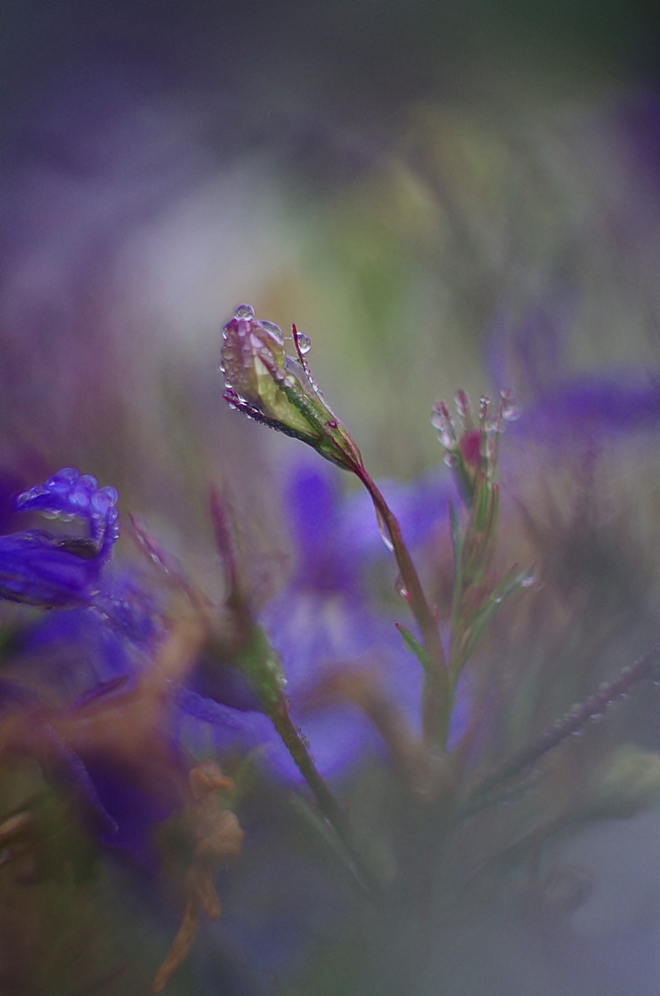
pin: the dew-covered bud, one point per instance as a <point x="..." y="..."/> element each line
<point x="471" y="445"/>
<point x="268" y="385"/>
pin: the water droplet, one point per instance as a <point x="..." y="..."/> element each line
<point x="401" y="588"/>
<point x="304" y="342"/>
<point x="384" y="535"/>
<point x="79" y="496"/>
<point x="274" y="330"/>
<point x="528" y="581"/>
<point x="244" y="311"/>
<point x="512" y="414"/>
<point x="462" y="403"/>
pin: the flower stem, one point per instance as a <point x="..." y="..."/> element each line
<point x="437" y="699"/>
<point x="644" y="669"/>
<point x="330" y="808"/>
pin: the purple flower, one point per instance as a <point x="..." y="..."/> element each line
<point x="561" y="406"/>
<point x="583" y="407"/>
<point x="56" y="571"/>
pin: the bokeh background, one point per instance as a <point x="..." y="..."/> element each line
<point x="441" y="194"/>
<point x="413" y="183"/>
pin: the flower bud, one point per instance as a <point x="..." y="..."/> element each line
<point x="471" y="444"/>
<point x="270" y="386"/>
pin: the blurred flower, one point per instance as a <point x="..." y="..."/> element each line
<point x="58" y="571"/>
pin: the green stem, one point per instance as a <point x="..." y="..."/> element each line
<point x="330" y="808"/>
<point x="437" y="699"/>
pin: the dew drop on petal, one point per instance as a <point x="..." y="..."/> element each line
<point x="244" y="311"/>
<point x="62" y="479"/>
<point x="304" y="342"/>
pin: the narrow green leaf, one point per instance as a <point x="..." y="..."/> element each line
<point x="456" y="538"/>
<point x="510" y="583"/>
<point x="415" y="647"/>
<point x="457" y="546"/>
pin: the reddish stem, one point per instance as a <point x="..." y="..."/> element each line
<point x="437" y="703"/>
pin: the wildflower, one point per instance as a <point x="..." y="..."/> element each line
<point x="270" y="386"/>
<point x="41" y="568"/>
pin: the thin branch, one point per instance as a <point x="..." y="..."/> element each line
<point x="646" y="668"/>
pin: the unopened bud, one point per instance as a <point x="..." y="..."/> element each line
<point x="270" y="386"/>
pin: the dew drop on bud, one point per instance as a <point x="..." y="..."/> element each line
<point x="274" y="330"/>
<point x="244" y="311"/>
<point x="304" y="342"/>
<point x="528" y="581"/>
<point x="512" y="414"/>
<point x="462" y="403"/>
